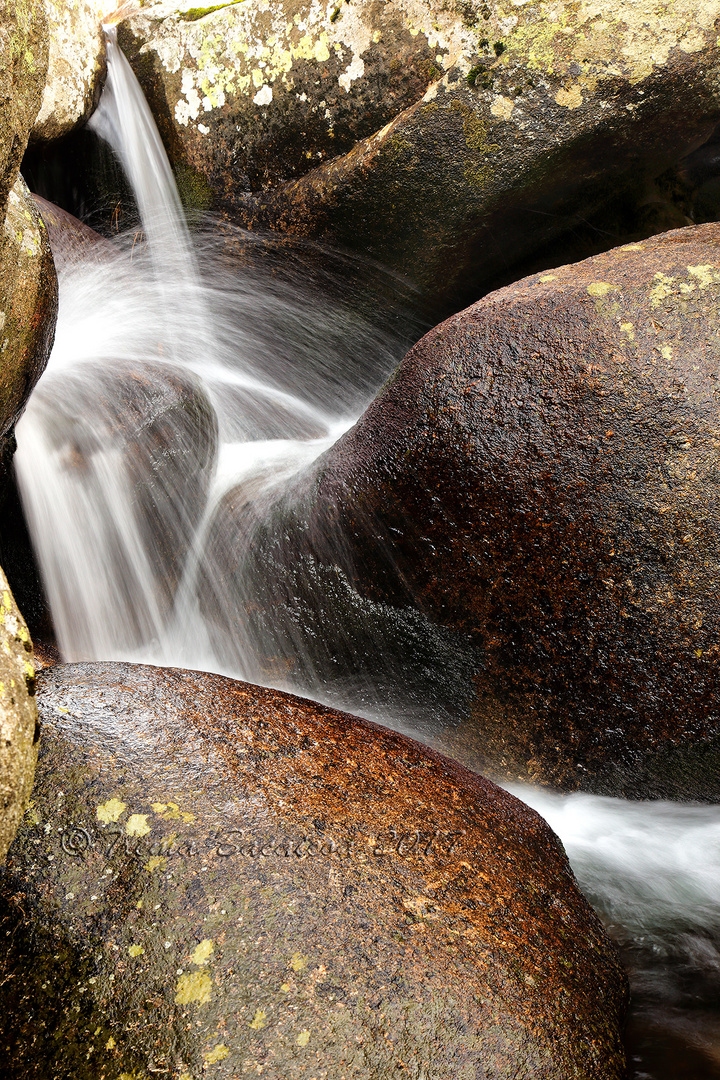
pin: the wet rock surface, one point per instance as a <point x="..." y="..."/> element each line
<point x="71" y="240"/>
<point x="18" y="717"/>
<point x="149" y="444"/>
<point x="449" y="142"/>
<point x="540" y="477"/>
<point x="28" y="304"/>
<point x="214" y="878"/>
<point x="76" y="68"/>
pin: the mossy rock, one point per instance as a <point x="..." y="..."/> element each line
<point x="28" y="304"/>
<point x="18" y="717"/>
<point x="450" y="142"/>
<point x="76" y="68"/>
<point x="23" y="68"/>
<point x="214" y="878"/>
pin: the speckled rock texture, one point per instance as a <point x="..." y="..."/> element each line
<point x="448" y="141"/>
<point x="23" y="66"/>
<point x="28" y="285"/>
<point x="76" y="68"/>
<point x="541" y="478"/>
<point x="18" y="717"/>
<point x="216" y="880"/>
<point x="28" y="304"/>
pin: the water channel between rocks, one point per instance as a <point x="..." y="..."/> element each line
<point x="249" y="365"/>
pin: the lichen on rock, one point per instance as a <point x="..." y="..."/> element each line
<point x="76" y="68"/>
<point x="18" y="717"/>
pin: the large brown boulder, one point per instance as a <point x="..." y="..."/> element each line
<point x="18" y="717"/>
<point x="218" y="878"/>
<point x="539" y="480"/>
<point x="76" y="67"/>
<point x="448" y="141"/>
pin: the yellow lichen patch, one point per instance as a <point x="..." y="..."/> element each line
<point x="548" y="277"/>
<point x="218" y="1053"/>
<point x="171" y="812"/>
<point x="661" y="289"/>
<point x="706" y="275"/>
<point x="202" y="953"/>
<point x="303" y="1038"/>
<point x="599" y="288"/>
<point x="136" y="950"/>
<point x="502" y="107"/>
<point x="32" y="817"/>
<point x="259" y="1021"/>
<point x="110" y="811"/>
<point x="629" y="329"/>
<point x="666" y="352"/>
<point x="137" y="825"/>
<point x="298" y="962"/>
<point x="110" y="1044"/>
<point x="571" y="97"/>
<point x="155" y="862"/>
<point x="195" y="986"/>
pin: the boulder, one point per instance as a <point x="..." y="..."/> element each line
<point x="28" y="286"/>
<point x="76" y="68"/>
<point x="18" y="717"/>
<point x="71" y="241"/>
<point x="450" y="142"/>
<point x="28" y="304"/>
<point x="23" y="67"/>
<point x="539" y="479"/>
<point x="215" y="878"/>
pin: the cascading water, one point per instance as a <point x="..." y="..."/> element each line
<point x="186" y="371"/>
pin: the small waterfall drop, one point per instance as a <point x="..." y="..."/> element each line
<point x="182" y="373"/>
<point x="175" y="374"/>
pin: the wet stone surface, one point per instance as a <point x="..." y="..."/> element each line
<point x="218" y="880"/>
<point x="541" y="475"/>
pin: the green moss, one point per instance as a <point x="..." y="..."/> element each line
<point x="195" y="192"/>
<point x="193" y="14"/>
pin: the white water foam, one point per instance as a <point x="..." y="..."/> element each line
<point x="261" y="351"/>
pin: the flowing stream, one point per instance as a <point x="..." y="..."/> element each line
<point x="189" y="369"/>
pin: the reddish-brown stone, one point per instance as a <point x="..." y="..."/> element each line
<point x="540" y="478"/>
<point x="215" y="876"/>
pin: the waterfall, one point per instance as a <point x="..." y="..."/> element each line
<point x="188" y="366"/>
<point x="172" y="377"/>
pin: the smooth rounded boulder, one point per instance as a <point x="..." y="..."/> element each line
<point x="216" y="878"/>
<point x="540" y="479"/>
